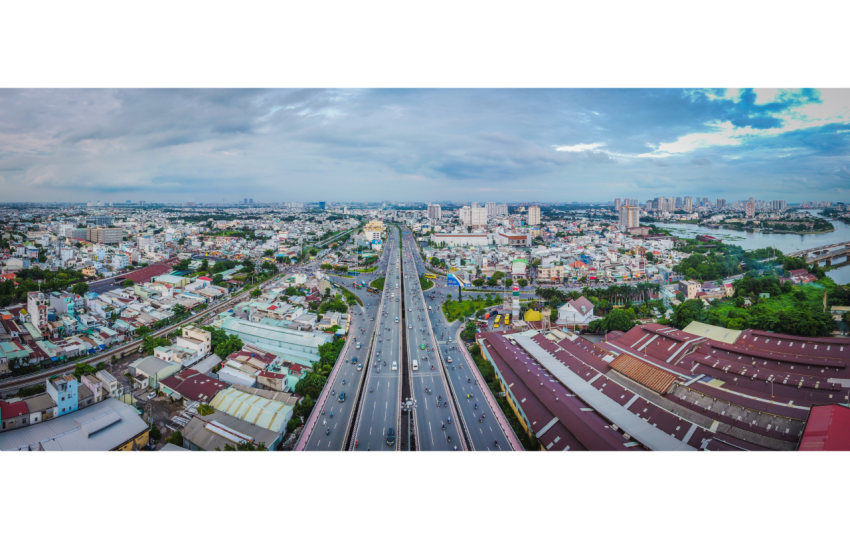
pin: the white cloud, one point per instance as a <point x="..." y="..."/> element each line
<point x="765" y="95"/>
<point x="580" y="147"/>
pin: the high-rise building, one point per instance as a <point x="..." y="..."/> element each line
<point x="750" y="208"/>
<point x="37" y="304"/>
<point x="435" y="213"/>
<point x="473" y="216"/>
<point x="679" y="202"/>
<point x="250" y="201"/>
<point x="533" y="215"/>
<point x="104" y="235"/>
<point x="689" y="204"/>
<point x="502" y="210"/>
<point x="491" y="209"/>
<point x="617" y="205"/>
<point x="322" y="205"/>
<point x="778" y="205"/>
<point x="629" y="216"/>
<point x="721" y="203"/>
<point x="99" y="220"/>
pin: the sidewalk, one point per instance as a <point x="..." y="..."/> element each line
<point x="485" y="390"/>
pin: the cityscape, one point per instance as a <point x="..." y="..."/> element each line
<point x="225" y="275"/>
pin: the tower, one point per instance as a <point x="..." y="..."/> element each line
<point x="515" y="302"/>
<point x="545" y="320"/>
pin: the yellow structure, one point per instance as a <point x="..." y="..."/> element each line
<point x="135" y="443"/>
<point x="532" y="316"/>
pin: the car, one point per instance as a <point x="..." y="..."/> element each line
<point x="448" y="359"/>
<point x="342" y="397"/>
<point x="395" y="366"/>
<point x="390" y="436"/>
<point x="359" y="366"/>
<point x="409" y="327"/>
<point x="353" y="360"/>
<point x="396" y="319"/>
<point x="151" y="395"/>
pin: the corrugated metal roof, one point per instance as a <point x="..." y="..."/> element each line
<point x="828" y="429"/>
<point x="265" y="413"/>
<point x="716" y="333"/>
<point x="84" y="430"/>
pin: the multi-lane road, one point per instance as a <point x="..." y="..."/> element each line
<point x="482" y="428"/>
<point x="331" y="428"/>
<point x="397" y="331"/>
<point x="434" y="412"/>
<point x="381" y="396"/>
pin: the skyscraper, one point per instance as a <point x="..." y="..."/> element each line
<point x="473" y="216"/>
<point x="689" y="204"/>
<point x="533" y="215"/>
<point x="617" y="205"/>
<point x="751" y="208"/>
<point x="435" y="212"/>
<point x="678" y="202"/>
<point x="629" y="216"/>
<point x="502" y="210"/>
<point x="491" y="209"/>
<point x="721" y="203"/>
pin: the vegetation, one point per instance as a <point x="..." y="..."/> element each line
<point x="489" y="374"/>
<point x="350" y="297"/>
<point x="467" y="308"/>
<point x="378" y="283"/>
<point x="469" y="331"/>
<point x="206" y="409"/>
<point x="223" y="344"/>
<point x="176" y="438"/>
<point x="29" y="280"/>
<point x="426" y="283"/>
<point x="616" y="320"/>
<point x="797" y="310"/>
<point x="244" y="446"/>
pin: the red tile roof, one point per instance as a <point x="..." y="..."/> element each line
<point x="643" y="373"/>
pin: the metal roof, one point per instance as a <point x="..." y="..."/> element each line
<point x="650" y="436"/>
<point x="257" y="410"/>
<point x="196" y="431"/>
<point x="716" y="333"/>
<point x="100" y="427"/>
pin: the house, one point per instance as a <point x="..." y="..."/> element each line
<point x="64" y="392"/>
<point x="148" y="371"/>
<point x="40" y="407"/>
<point x="191" y="385"/>
<point x="576" y="312"/>
<point x="689" y="288"/>
<point x="110" y="384"/>
<point x="13" y="415"/>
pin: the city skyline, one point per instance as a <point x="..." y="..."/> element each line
<point x="210" y="146"/>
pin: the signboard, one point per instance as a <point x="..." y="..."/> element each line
<point x="453" y="280"/>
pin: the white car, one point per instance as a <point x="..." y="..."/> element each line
<point x="151" y="395"/>
<point x="395" y="366"/>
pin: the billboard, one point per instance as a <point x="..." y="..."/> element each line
<point x="453" y="280"/>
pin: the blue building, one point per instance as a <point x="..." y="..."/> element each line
<point x="63" y="390"/>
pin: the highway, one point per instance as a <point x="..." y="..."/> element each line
<point x="483" y="434"/>
<point x="329" y="433"/>
<point x="381" y="396"/>
<point x="435" y="414"/>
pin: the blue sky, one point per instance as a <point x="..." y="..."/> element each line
<point x="485" y="144"/>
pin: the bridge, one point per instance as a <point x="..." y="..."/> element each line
<point x="825" y="252"/>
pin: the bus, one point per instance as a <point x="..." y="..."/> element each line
<point x="415" y="365"/>
<point x="371" y="289"/>
<point x="498" y="318"/>
<point x="430" y="276"/>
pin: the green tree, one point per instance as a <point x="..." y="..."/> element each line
<point x="255" y="293"/>
<point x="206" y="409"/>
<point x="244" y="446"/>
<point x="522" y="283"/>
<point x="183" y="265"/>
<point x="80" y="288"/>
<point x="155" y="434"/>
<point x="179" y="311"/>
<point x="176" y="438"/>
<point x="268" y="252"/>
<point x="205" y="265"/>
<point x="680" y="296"/>
<point x="687" y="312"/>
<point x="128" y="283"/>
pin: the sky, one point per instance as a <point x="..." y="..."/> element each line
<point x="503" y="145"/>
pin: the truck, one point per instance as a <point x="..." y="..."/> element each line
<point x="363" y="283"/>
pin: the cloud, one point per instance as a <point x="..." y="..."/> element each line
<point x="302" y="144"/>
<point x="843" y="172"/>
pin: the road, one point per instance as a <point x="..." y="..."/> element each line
<point x="329" y="433"/>
<point x="381" y="397"/>
<point x="483" y="434"/>
<point x="436" y="421"/>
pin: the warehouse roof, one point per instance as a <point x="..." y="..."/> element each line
<point x="103" y="426"/>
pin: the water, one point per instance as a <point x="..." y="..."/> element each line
<point x="787" y="243"/>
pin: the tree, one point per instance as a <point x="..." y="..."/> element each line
<point x="509" y="283"/>
<point x="149" y="342"/>
<point x="244" y="446"/>
<point x="176" y="438"/>
<point x="180" y="311"/>
<point x="183" y="265"/>
<point x="155" y="435"/>
<point x="522" y="283"/>
<point x="687" y="312"/>
<point x="680" y="296"/>
<point x="206" y="409"/>
<point x="205" y="265"/>
<point x="268" y="252"/>
<point x="255" y="293"/>
<point x="128" y="283"/>
<point x="469" y="331"/>
<point x="228" y="346"/>
<point x="80" y="288"/>
<point x="650" y="257"/>
<point x="143" y="330"/>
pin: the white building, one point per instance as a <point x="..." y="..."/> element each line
<point x="473" y="216"/>
<point x="629" y="216"/>
<point x="533" y="215"/>
<point x="435" y="213"/>
<point x="576" y="312"/>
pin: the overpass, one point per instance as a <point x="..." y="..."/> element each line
<point x="825" y="252"/>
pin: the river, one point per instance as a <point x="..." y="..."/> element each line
<point x="787" y="243"/>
